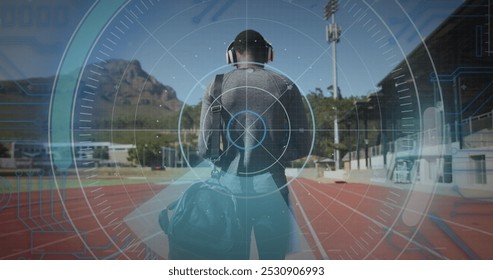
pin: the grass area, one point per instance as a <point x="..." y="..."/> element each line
<point x="29" y="180"/>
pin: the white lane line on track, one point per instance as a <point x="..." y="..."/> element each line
<point x="310" y="228"/>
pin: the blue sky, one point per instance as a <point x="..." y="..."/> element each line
<point x="183" y="42"/>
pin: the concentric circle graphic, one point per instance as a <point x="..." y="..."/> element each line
<point x="235" y="127"/>
<point x="177" y="43"/>
<point x="232" y="130"/>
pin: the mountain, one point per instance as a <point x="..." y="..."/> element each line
<point x="123" y="96"/>
<point x="135" y="86"/>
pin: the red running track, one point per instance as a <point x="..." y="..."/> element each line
<point x="360" y="221"/>
<point x="339" y="221"/>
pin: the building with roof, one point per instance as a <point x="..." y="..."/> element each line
<point x="432" y="119"/>
<point x="33" y="154"/>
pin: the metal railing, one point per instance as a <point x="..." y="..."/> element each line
<point x="477" y="131"/>
<point x="430" y="137"/>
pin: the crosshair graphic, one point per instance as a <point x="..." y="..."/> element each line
<point x="132" y="18"/>
<point x="236" y="130"/>
<point x="131" y="29"/>
<point x="247" y="130"/>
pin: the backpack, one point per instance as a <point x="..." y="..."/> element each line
<point x="204" y="223"/>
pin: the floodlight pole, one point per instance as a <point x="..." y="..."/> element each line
<point x="333" y="36"/>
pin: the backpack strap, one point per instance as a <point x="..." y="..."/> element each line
<point x="216" y="108"/>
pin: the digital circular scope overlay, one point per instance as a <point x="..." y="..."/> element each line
<point x="132" y="77"/>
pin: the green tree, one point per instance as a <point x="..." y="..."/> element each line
<point x="148" y="149"/>
<point x="325" y="108"/>
<point x="101" y="153"/>
<point x="145" y="154"/>
<point x="4" y="152"/>
<point x="133" y="156"/>
<point x="190" y="118"/>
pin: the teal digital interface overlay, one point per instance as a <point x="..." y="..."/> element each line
<point x="67" y="78"/>
<point x="64" y="113"/>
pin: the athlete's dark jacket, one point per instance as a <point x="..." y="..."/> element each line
<point x="264" y="122"/>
